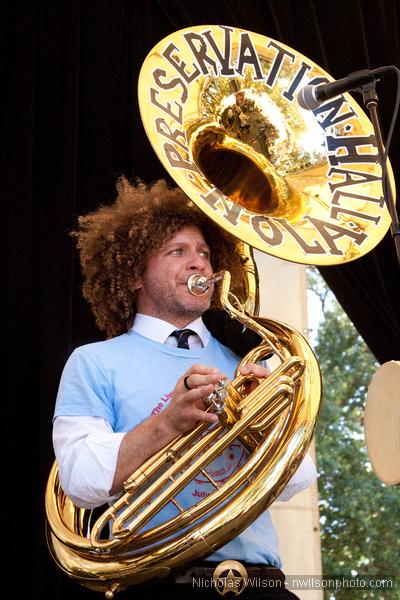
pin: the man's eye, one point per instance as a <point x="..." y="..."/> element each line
<point x="176" y="252"/>
<point x="205" y="253"/>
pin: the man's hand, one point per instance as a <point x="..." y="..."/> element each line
<point x="254" y="369"/>
<point x="257" y="371"/>
<point x="187" y="408"/>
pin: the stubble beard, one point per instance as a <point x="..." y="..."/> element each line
<point x="170" y="306"/>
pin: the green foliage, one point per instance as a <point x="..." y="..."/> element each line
<point x="360" y="516"/>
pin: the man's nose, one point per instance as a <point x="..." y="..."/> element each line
<point x="197" y="263"/>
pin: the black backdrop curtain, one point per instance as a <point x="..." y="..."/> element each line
<point x="71" y="126"/>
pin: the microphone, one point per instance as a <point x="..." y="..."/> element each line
<point x="312" y="96"/>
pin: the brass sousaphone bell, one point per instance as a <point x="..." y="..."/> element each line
<point x="219" y="107"/>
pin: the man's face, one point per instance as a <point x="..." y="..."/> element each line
<point x="163" y="291"/>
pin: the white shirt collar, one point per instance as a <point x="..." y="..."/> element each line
<point x="159" y="330"/>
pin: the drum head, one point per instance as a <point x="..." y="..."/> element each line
<point x="382" y="423"/>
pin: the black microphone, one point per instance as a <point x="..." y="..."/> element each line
<point x="311" y="96"/>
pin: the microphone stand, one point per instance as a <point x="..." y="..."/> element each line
<point x="371" y="103"/>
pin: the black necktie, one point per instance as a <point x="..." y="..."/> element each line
<point x="182" y="335"/>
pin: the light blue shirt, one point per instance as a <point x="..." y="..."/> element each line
<point x="113" y="382"/>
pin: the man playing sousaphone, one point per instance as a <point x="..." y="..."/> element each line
<point x="122" y="400"/>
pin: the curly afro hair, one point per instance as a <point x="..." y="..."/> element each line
<point x="116" y="241"/>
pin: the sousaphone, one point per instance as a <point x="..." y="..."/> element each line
<point x="219" y="107"/>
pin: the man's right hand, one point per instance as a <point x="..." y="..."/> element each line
<point x="186" y="407"/>
<point x="184" y="411"/>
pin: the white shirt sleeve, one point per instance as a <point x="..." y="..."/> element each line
<point x="305" y="475"/>
<point x="86" y="450"/>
